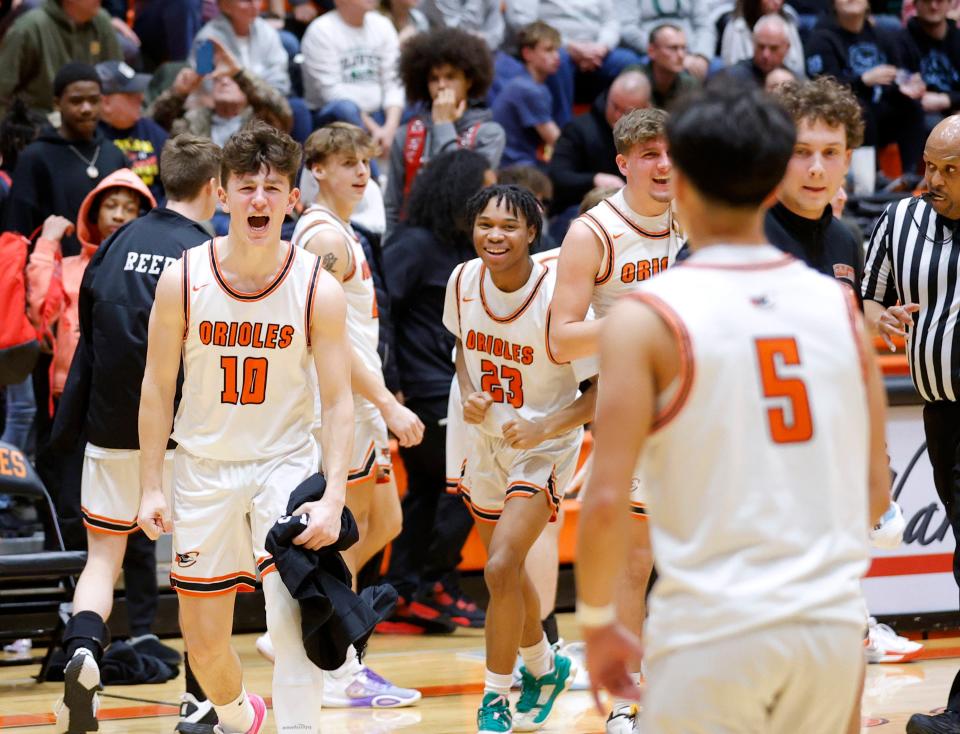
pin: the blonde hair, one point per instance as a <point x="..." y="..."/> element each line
<point x="639" y="126"/>
<point x="337" y="137"/>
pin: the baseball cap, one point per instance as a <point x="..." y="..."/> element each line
<point x="118" y="77"/>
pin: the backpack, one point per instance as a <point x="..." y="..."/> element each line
<point x="19" y="342"/>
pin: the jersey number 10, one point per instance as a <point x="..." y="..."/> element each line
<point x="771" y="355"/>
<point x="253" y="388"/>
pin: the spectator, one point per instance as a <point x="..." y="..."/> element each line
<point x="44" y="40"/>
<point x="539" y="184"/>
<point x="848" y="47"/>
<point x="166" y="29"/>
<point x="419" y="256"/>
<point x="930" y="46"/>
<point x="591" y="57"/>
<point x="639" y="18"/>
<point x="585" y="156"/>
<point x="119" y="198"/>
<point x="407" y="19"/>
<point x="738" y="35"/>
<point x="349" y="70"/>
<point x="447" y="71"/>
<point x="909" y="10"/>
<point x="771" y="44"/>
<point x="238" y="96"/>
<point x="56" y="172"/>
<point x="669" y="78"/>
<point x="523" y="107"/>
<point x="777" y="78"/>
<point x="483" y="18"/>
<point x="122" y="121"/>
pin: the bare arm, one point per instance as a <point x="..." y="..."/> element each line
<point x="402" y="421"/>
<point x="475" y="404"/>
<point x="548" y="132"/>
<point x="570" y="336"/>
<point x="879" y="467"/>
<point x="524" y="434"/>
<point x="164" y="347"/>
<point x="889" y="322"/>
<point x="335" y="256"/>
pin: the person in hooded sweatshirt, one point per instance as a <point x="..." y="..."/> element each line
<point x="448" y="73"/>
<point x="55" y="173"/>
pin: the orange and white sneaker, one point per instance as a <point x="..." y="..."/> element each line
<point x="883" y="645"/>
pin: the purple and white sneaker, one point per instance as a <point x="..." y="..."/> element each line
<point x="362" y="688"/>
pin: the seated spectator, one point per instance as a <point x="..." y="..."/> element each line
<point x="407" y="19"/>
<point x="666" y="68"/>
<point x="540" y="185"/>
<point x="448" y="72"/>
<point x="771" y="44"/>
<point x="483" y="18"/>
<point x="41" y="41"/>
<point x="523" y="107"/>
<point x="777" y="78"/>
<point x="122" y="121"/>
<point x="238" y="96"/>
<point x="591" y="56"/>
<point x="52" y="302"/>
<point x="166" y="29"/>
<point x="594" y="196"/>
<point x="909" y="10"/>
<point x="56" y="172"/>
<point x="738" y="35"/>
<point x="584" y="156"/>
<point x="849" y="48"/>
<point x="350" y="70"/>
<point x="639" y="18"/>
<point x="930" y="46"/>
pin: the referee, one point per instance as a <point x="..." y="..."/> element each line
<point x="913" y="259"/>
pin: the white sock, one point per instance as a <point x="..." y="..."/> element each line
<point x="237" y="716"/>
<point x="350" y="665"/>
<point x="497" y="683"/>
<point x="538" y="659"/>
<point x="618" y="701"/>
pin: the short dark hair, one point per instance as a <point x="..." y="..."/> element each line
<point x="827" y="100"/>
<point x="74" y="71"/>
<point x="519" y="201"/>
<point x="732" y="141"/>
<point x="528" y="177"/>
<point x="187" y="162"/>
<point x="257" y="145"/>
<point x="18" y="128"/>
<point x="652" y="38"/>
<point x="462" y="50"/>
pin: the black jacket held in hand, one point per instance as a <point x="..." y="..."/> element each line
<point x="332" y="616"/>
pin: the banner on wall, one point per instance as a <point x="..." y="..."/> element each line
<point x="917" y="577"/>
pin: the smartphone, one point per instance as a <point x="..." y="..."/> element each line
<point x="205" y="58"/>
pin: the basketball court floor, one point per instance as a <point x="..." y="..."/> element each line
<point x="449" y="671"/>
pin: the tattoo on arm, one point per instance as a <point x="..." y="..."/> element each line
<point x="329" y="261"/>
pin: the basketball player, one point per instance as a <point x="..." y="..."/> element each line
<point x="253" y="318"/>
<point x="747" y="381"/>
<point x="610" y="250"/>
<point x="338" y="156"/>
<point x="496" y="306"/>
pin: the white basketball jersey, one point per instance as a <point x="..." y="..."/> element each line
<point x="363" y="322"/>
<point x="756" y="468"/>
<point x="503" y="336"/>
<point x="635" y="248"/>
<point x="248" y="375"/>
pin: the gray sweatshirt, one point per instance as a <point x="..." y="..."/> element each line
<point x="638" y="17"/>
<point x="576" y="20"/>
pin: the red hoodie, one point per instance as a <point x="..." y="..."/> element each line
<point x="53" y="281"/>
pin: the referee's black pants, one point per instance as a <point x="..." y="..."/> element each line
<point x="941" y="424"/>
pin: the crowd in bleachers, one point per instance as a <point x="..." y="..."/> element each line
<point x="531" y="86"/>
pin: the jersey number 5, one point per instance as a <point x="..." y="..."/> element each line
<point x="253" y="389"/>
<point x="493" y="384"/>
<point x="773" y="354"/>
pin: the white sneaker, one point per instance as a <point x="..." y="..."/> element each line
<point x="265" y="647"/>
<point x="576" y="651"/>
<point x="624" y="719"/>
<point x="76" y="712"/>
<point x="886" y="646"/>
<point x="362" y="688"/>
<point x="888" y="533"/>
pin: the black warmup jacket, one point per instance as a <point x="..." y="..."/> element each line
<point x="102" y="393"/>
<point x="51" y="179"/>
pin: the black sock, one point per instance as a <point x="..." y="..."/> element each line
<point x="550" y="628"/>
<point x="193" y="686"/>
<point x="86" y="630"/>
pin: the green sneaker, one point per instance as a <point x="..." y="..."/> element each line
<point x="537" y="695"/>
<point x="493" y="716"/>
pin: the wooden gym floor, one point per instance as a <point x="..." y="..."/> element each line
<point x="449" y="671"/>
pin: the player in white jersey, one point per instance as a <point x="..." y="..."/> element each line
<point x="258" y="324"/>
<point x="338" y="156"/>
<point x="608" y="252"/>
<point x="746" y="380"/>
<point x="496" y="306"/>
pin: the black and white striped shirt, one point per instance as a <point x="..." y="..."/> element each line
<point x="911" y="259"/>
